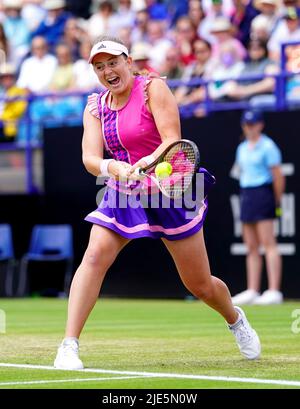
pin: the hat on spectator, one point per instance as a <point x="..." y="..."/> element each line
<point x="12" y="4"/>
<point x="220" y="24"/>
<point x="54" y="4"/>
<point x="261" y="22"/>
<point x="252" y="117"/>
<point x="291" y="13"/>
<point x="108" y="47"/>
<point x="258" y="3"/>
<point x="7" y="69"/>
<point x="140" y="51"/>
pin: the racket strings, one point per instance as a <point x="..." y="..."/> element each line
<point x="183" y="160"/>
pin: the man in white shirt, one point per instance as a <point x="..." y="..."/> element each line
<point x="37" y="71"/>
<point x="288" y="30"/>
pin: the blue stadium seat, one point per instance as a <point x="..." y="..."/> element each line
<point x="48" y="243"/>
<point x="7" y="256"/>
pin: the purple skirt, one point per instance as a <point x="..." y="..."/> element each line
<point x="155" y="216"/>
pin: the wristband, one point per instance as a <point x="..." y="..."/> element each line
<point x="104" y="167"/>
<point x="148" y="159"/>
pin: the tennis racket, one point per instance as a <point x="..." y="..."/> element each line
<point x="184" y="158"/>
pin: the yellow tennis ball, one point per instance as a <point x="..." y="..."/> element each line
<point x="163" y="170"/>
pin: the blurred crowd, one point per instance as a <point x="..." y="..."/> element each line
<point x="44" y="46"/>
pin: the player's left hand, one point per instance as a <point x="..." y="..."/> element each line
<point x="131" y="174"/>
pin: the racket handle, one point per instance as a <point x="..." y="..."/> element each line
<point x="137" y="171"/>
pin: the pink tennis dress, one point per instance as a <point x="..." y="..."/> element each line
<point x="130" y="133"/>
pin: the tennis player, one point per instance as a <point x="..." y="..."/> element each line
<point x="135" y="119"/>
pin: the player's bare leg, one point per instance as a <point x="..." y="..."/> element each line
<point x="103" y="248"/>
<point x="191" y="260"/>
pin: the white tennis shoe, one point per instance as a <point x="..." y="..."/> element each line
<point x="246" y="337"/>
<point x="245" y="297"/>
<point x="67" y="355"/>
<point x="269" y="297"/>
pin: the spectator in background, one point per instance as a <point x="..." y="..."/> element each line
<point x="101" y="21"/>
<point x="85" y="78"/>
<point x="63" y="76"/>
<point x="204" y="30"/>
<point x="260" y="28"/>
<point x="159" y="44"/>
<point x="37" y="70"/>
<point x="198" y="69"/>
<point x="270" y="10"/>
<point x="241" y="18"/>
<point x="59" y="107"/>
<point x="172" y="68"/>
<point x="258" y="64"/>
<point x="12" y="111"/>
<point x="16" y="31"/>
<point x="228" y="66"/>
<point x="33" y="13"/>
<point x="52" y="28"/>
<point x="195" y="13"/>
<point x="139" y="32"/>
<point x="287" y="30"/>
<point x="124" y="16"/>
<point x="258" y="161"/>
<point x="124" y="33"/>
<point x="185" y="35"/>
<point x="222" y="30"/>
<point x="140" y="58"/>
<point x="73" y="35"/>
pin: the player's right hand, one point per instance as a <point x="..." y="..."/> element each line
<point x="119" y="169"/>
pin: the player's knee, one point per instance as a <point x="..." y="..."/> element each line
<point x="96" y="256"/>
<point x="92" y="257"/>
<point x="201" y="290"/>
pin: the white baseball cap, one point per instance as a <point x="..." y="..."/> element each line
<point x="108" y="47"/>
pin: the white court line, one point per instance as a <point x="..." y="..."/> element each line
<point x="69" y="380"/>
<point x="164" y="375"/>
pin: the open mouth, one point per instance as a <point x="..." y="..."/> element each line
<point x="113" y="80"/>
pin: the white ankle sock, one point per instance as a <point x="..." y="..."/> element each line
<point x="236" y="322"/>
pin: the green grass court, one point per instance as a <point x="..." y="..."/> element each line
<point x="147" y="344"/>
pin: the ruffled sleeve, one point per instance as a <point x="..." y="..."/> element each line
<point x="93" y="104"/>
<point x="148" y="80"/>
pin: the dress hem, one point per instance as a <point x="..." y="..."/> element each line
<point x="146" y="233"/>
